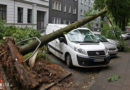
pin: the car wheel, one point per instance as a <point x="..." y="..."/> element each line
<point x="69" y="61"/>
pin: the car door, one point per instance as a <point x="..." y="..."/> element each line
<point x="61" y="47"/>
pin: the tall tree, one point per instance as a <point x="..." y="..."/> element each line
<point x="47" y="38"/>
<point x="119" y="9"/>
<point x="105" y="3"/>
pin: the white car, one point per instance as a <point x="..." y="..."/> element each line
<point x="117" y="43"/>
<point x="78" y="48"/>
<point x="124" y="36"/>
<point x="112" y="48"/>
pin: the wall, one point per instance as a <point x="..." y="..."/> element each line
<point x="69" y="17"/>
<point x="12" y="6"/>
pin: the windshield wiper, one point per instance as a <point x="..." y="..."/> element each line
<point x="90" y="42"/>
<point x="78" y="41"/>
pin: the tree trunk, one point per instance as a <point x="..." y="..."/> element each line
<point x="49" y="37"/>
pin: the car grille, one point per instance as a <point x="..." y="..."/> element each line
<point x="96" y="53"/>
<point x="112" y="48"/>
<point x="90" y="61"/>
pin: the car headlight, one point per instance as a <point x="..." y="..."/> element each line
<point x="82" y="51"/>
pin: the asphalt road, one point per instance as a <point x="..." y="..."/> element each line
<point x="91" y="79"/>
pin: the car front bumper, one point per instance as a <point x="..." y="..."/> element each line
<point x="112" y="52"/>
<point x="100" y="61"/>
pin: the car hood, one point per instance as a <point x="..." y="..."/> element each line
<point x="90" y="46"/>
<point x="108" y="45"/>
<point x="115" y="42"/>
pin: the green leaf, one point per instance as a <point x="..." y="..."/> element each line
<point x="113" y="78"/>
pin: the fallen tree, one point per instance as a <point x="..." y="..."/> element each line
<point x="49" y="37"/>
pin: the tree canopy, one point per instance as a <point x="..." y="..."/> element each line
<point x="119" y="9"/>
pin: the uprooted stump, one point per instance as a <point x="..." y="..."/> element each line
<point x="21" y="76"/>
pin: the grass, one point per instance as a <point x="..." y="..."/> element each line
<point x="27" y="55"/>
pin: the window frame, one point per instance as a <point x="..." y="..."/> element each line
<point x="29" y="15"/>
<point x="20" y="15"/>
<point x="3" y="12"/>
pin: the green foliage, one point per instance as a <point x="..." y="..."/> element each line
<point x="118" y="10"/>
<point x="27" y="55"/>
<point x="2" y="29"/>
<point x="99" y="4"/>
<point x="17" y="32"/>
<point x="42" y="54"/>
<point x="113" y="32"/>
<point x="113" y="78"/>
<point x="90" y="25"/>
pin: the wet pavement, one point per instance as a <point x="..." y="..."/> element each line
<point x="96" y="78"/>
<point x="118" y="66"/>
<point x="81" y="78"/>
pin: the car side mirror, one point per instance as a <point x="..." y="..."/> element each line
<point x="61" y="39"/>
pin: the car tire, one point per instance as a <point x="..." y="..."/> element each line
<point x="69" y="61"/>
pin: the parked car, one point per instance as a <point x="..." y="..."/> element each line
<point x="125" y="36"/>
<point x="128" y="33"/>
<point x="117" y="43"/>
<point x="112" y="48"/>
<point x="78" y="48"/>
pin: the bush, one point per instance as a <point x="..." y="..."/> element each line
<point x="112" y="33"/>
<point x="17" y="33"/>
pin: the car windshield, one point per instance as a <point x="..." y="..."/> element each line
<point x="101" y="38"/>
<point x="82" y="36"/>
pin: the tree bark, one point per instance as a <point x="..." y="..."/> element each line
<point x="49" y="37"/>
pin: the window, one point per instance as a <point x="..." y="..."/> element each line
<point x="74" y="11"/>
<point x="29" y="17"/>
<point x="56" y="6"/>
<point x="53" y="5"/>
<point x="64" y="21"/>
<point x="59" y="7"/>
<point x="85" y="2"/>
<point x="59" y="20"/>
<point x="82" y="36"/>
<point x="82" y="1"/>
<point x="81" y="12"/>
<point x="70" y="9"/>
<point x="20" y="15"/>
<point x="54" y="20"/>
<point x="69" y="22"/>
<point x="65" y="8"/>
<point x="3" y="12"/>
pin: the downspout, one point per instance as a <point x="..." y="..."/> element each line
<point x="33" y="6"/>
<point x="14" y="12"/>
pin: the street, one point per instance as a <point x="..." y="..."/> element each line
<point x="96" y="78"/>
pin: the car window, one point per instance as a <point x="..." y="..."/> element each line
<point x="101" y="38"/>
<point x="82" y="36"/>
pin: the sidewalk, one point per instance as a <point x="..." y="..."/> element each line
<point x="118" y="66"/>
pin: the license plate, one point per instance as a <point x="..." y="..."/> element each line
<point x="98" y="60"/>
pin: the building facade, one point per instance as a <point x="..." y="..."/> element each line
<point x="63" y="11"/>
<point x="25" y="13"/>
<point x="83" y="7"/>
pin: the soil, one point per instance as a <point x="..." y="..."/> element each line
<point x="44" y="71"/>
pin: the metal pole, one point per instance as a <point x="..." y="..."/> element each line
<point x="14" y="12"/>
